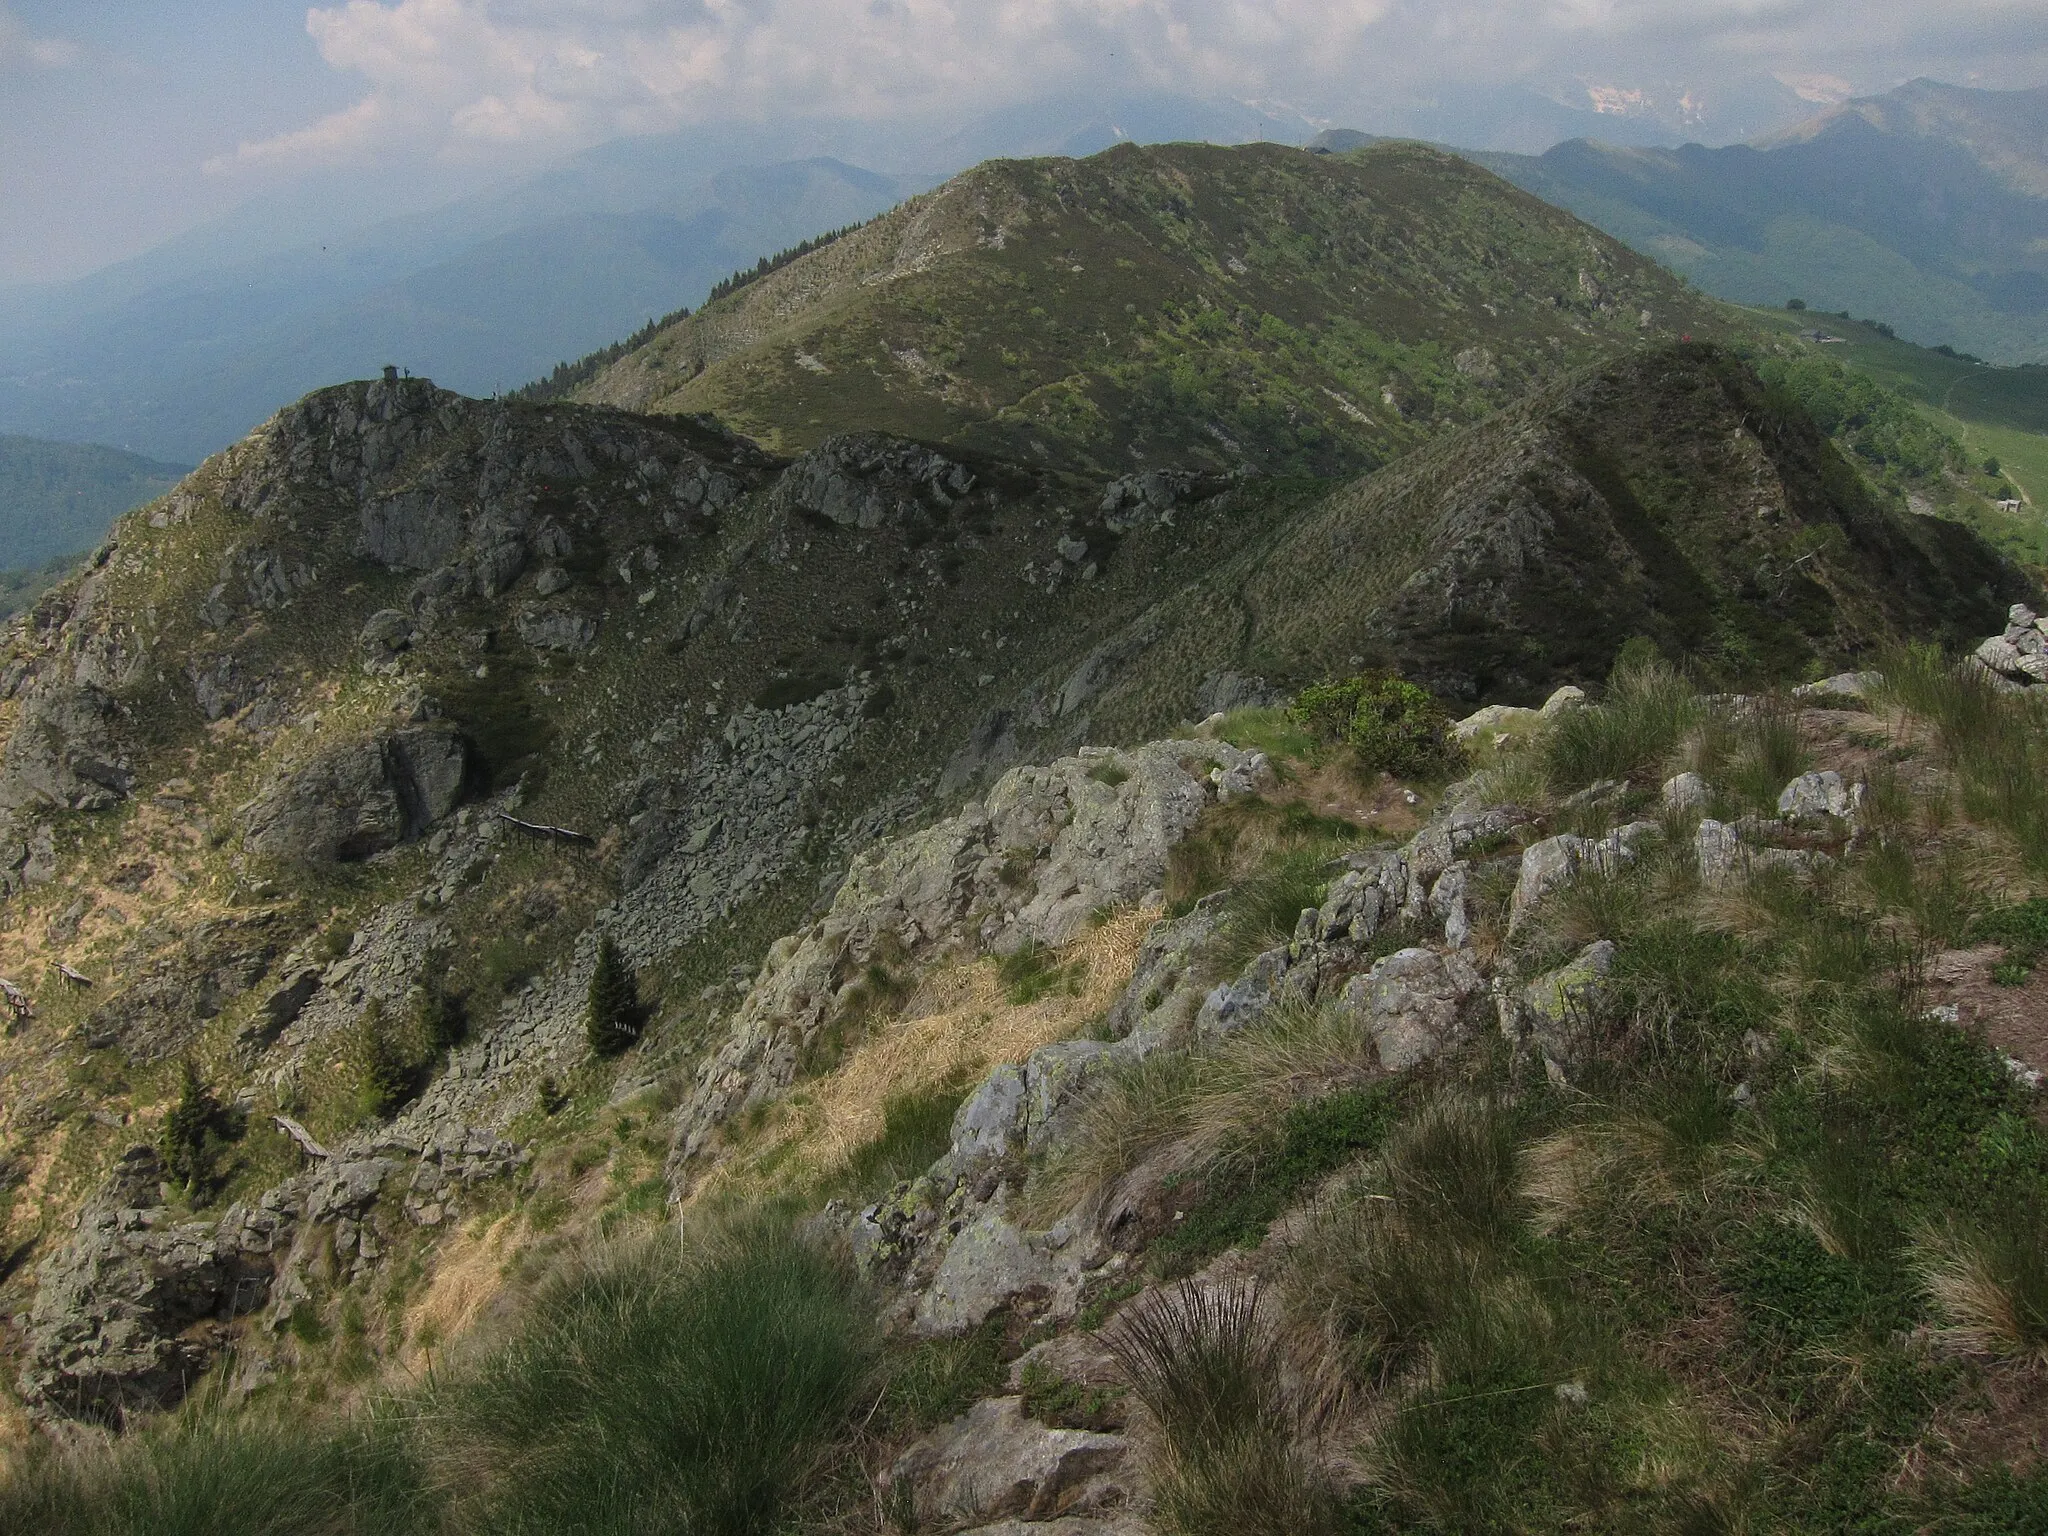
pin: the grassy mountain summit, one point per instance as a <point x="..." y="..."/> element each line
<point x="1183" y="305"/>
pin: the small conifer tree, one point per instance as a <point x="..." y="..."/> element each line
<point x="383" y="1074"/>
<point x="193" y="1134"/>
<point x="613" y="1021"/>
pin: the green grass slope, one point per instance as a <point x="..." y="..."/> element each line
<point x="1239" y="308"/>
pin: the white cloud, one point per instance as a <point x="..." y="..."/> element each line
<point x="464" y="78"/>
<point x="19" y="50"/>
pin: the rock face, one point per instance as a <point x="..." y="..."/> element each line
<point x="1557" y="1012"/>
<point x="996" y="1461"/>
<point x="360" y="797"/>
<point x="64" y="752"/>
<point x="1029" y="865"/>
<point x="129" y="1314"/>
<point x="1413" y="1003"/>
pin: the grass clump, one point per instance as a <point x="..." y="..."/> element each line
<point x="1989" y="1277"/>
<point x="672" y="1387"/>
<point x="1034" y="972"/>
<point x="1191" y="1108"/>
<point x="1237" y="1426"/>
<point x="1394" y="726"/>
<point x="1992" y="741"/>
<point x="205" y="1472"/>
<point x="1648" y="709"/>
<point x="917" y="1128"/>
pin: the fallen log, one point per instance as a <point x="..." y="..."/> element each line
<point x="554" y="834"/>
<point x="17" y="999"/>
<point x="70" y="975"/>
<point x="301" y="1135"/>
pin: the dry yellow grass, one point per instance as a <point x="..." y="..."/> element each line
<point x="956" y="1026"/>
<point x="469" y="1270"/>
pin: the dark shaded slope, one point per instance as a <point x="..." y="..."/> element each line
<point x="1666" y="495"/>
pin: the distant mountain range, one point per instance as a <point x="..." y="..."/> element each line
<point x="1926" y="207"/>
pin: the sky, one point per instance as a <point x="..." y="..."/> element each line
<point x="124" y="122"/>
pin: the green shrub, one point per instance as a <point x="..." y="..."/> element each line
<point x="690" y="1387"/>
<point x="1393" y="725"/>
<point x="612" y="1015"/>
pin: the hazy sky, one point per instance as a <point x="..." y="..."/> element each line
<point x="124" y="121"/>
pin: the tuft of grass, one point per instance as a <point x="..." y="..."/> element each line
<point x="1648" y="710"/>
<point x="1769" y="751"/>
<point x="1237" y="1427"/>
<point x="1273" y="731"/>
<point x="1992" y="741"/>
<point x="917" y="1128"/>
<point x="690" y="1386"/>
<point x="1191" y="1108"/>
<point x="1264" y="909"/>
<point x="1034" y="972"/>
<point x="204" y="1472"/>
<point x="1990" y="1278"/>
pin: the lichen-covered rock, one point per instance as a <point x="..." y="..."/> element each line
<point x="359" y="797"/>
<point x="1815" y="796"/>
<point x="1557" y="861"/>
<point x="1557" y="1010"/>
<point x="1413" y="1004"/>
<point x="996" y="1460"/>
<point x="994" y="1264"/>
<point x="1685" y="792"/>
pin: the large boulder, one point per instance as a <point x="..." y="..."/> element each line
<point x="359" y="797"/>
<point x="995" y="1461"/>
<point x="1413" y="1004"/>
<point x="864" y="480"/>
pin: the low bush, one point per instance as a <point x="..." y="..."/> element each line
<point x="1393" y="725"/>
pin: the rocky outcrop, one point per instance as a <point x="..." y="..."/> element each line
<point x="359" y="797"/>
<point x="130" y="1312"/>
<point x="2018" y="658"/>
<point x="1557" y="1012"/>
<point x="1413" y="1004"/>
<point x="162" y="1000"/>
<point x="865" y="480"/>
<point x="1049" y="846"/>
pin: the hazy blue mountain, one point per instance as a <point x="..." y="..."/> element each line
<point x="483" y="298"/>
<point x="59" y="498"/>
<point x="1926" y="207"/>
